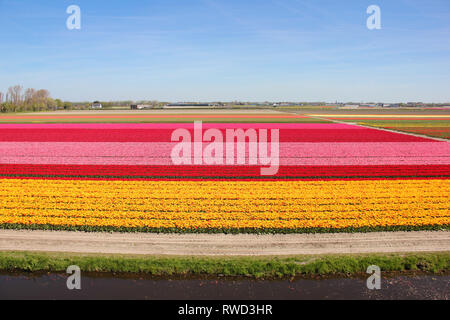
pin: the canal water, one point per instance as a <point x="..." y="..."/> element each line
<point x="113" y="286"/>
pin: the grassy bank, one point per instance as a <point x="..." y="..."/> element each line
<point x="255" y="267"/>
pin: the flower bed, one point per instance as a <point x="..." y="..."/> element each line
<point x="342" y="179"/>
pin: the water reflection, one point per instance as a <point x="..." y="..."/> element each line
<point x="53" y="286"/>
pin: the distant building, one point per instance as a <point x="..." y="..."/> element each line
<point x="188" y="106"/>
<point x="141" y="106"/>
<point x="96" y="105"/>
<point x="350" y="106"/>
<point x="282" y="104"/>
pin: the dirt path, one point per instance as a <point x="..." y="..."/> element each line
<point x="154" y="111"/>
<point x="219" y="244"/>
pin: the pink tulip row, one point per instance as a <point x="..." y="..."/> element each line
<point x="113" y="153"/>
<point x="392" y="161"/>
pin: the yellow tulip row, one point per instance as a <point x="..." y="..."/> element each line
<point x="225" y="204"/>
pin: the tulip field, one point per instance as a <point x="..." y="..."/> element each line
<point x="114" y="176"/>
<point x="429" y="125"/>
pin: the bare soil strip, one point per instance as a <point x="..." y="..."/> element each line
<point x="217" y="244"/>
<point x="155" y="111"/>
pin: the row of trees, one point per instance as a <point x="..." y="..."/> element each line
<point x="16" y="99"/>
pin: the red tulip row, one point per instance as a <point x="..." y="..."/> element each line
<point x="223" y="171"/>
<point x="164" y="135"/>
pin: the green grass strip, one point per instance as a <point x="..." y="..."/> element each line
<point x="7" y="226"/>
<point x="254" y="267"/>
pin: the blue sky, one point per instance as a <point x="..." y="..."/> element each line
<point x="251" y="50"/>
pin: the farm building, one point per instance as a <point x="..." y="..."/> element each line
<point x="141" y="106"/>
<point x="96" y="105"/>
<point x="188" y="106"/>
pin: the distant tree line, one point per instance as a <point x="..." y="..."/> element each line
<point x="16" y="99"/>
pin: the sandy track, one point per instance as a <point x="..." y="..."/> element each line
<point x="155" y="111"/>
<point x="220" y="244"/>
